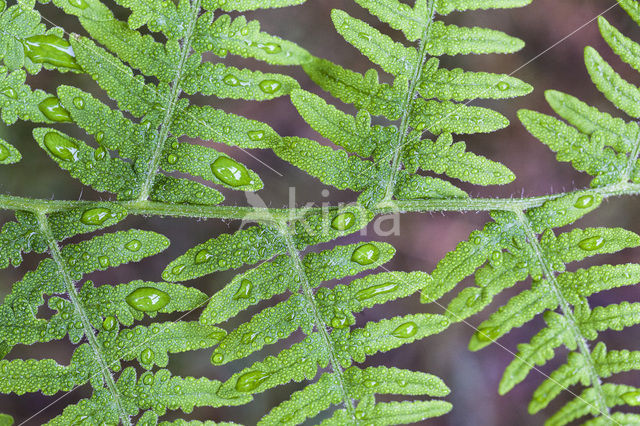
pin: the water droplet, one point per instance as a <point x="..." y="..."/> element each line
<point x="375" y="290"/>
<point x="343" y="221"/>
<point x="251" y="380"/>
<point x="339" y="321"/>
<point x="148" y="299"/>
<point x="60" y="146"/>
<point x="231" y="80"/>
<point x="366" y="254"/>
<point x="172" y="158"/>
<point x="487" y="334"/>
<point x="4" y="152"/>
<point x="503" y="86"/>
<point x="631" y="398"/>
<point x="109" y="323"/>
<point x="217" y="358"/>
<point x="230" y="172"/>
<point x="370" y="383"/>
<point x="78" y="103"/>
<point x="364" y="36"/>
<point x="52" y="109"/>
<point x="50" y="49"/>
<point x="99" y="137"/>
<point x="100" y="153"/>
<point x="406" y="330"/>
<point x="202" y="256"/>
<point x="80" y="4"/>
<point x="146" y="356"/>
<point x="269" y="86"/>
<point x="96" y="216"/>
<point x="133" y="245"/>
<point x="103" y="261"/>
<point x="148" y="378"/>
<point x="584" y="202"/>
<point x="244" y="290"/>
<point x="9" y="93"/>
<point x="177" y="269"/>
<point x="271" y="48"/>
<point x="591" y="243"/>
<point x="255" y="135"/>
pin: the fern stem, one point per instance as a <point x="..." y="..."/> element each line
<point x="321" y="326"/>
<point x="407" y="107"/>
<point x="269" y="215"/>
<point x="163" y="132"/>
<point x="88" y="329"/>
<point x="567" y="312"/>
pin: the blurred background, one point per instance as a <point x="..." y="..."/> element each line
<point x="423" y="238"/>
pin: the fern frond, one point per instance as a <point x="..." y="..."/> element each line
<point x="520" y="244"/>
<point x="422" y="97"/>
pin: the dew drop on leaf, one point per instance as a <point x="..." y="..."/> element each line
<point x="366" y="254"/>
<point x="100" y="153"/>
<point x="4" y="153"/>
<point x="202" y="256"/>
<point x="148" y="299"/>
<point x="133" y="245"/>
<point x="244" y="291"/>
<point x="172" y="158"/>
<point x="177" y="269"/>
<point x="631" y="398"/>
<point x="96" y="216"/>
<point x="217" y="358"/>
<point x="591" y="243"/>
<point x="231" y="80"/>
<point x="406" y="330"/>
<point x="61" y="147"/>
<point x="52" y="109"/>
<point x="251" y="380"/>
<point x="255" y="135"/>
<point x="343" y="221"/>
<point x="584" y="202"/>
<point x="78" y="102"/>
<point x="50" y="49"/>
<point x="269" y="86"/>
<point x="369" y="292"/>
<point x="104" y="261"/>
<point x="146" y="356"/>
<point x="230" y="172"/>
<point x="487" y="334"/>
<point x="9" y="93"/>
<point x="109" y="323"/>
<point x="80" y="4"/>
<point x="503" y="86"/>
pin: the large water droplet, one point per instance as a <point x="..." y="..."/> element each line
<point x="244" y="290"/>
<point x="172" y="159"/>
<point x="591" y="243"/>
<point x="178" y="269"/>
<point x="146" y="356"/>
<point x="96" y="216"/>
<point x="375" y="290"/>
<point x="366" y="254"/>
<point x="78" y="102"/>
<point x="133" y="245"/>
<point x="100" y="153"/>
<point x="270" y="48"/>
<point x="103" y="261"/>
<point x="250" y="381"/>
<point x="343" y="221"/>
<point x="80" y="4"/>
<point x="109" y="323"/>
<point x="52" y="109"/>
<point x="487" y="334"/>
<point x="584" y="202"/>
<point x="503" y="86"/>
<point x="406" y="330"/>
<point x="255" y="135"/>
<point x="217" y="358"/>
<point x="9" y="93"/>
<point x="203" y="256"/>
<point x="148" y="299"/>
<point x="230" y="172"/>
<point x="50" y="49"/>
<point x="339" y="321"/>
<point x="60" y="146"/>
<point x="631" y="398"/>
<point x="269" y="86"/>
<point x="231" y="80"/>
